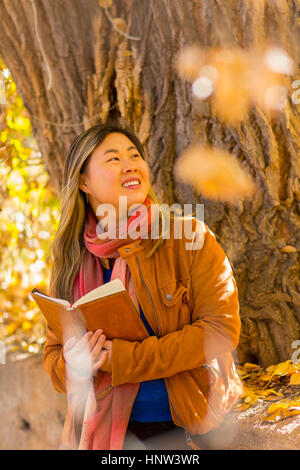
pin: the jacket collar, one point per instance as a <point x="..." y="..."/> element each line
<point x="126" y="251"/>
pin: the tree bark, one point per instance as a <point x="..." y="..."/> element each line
<point x="73" y="69"/>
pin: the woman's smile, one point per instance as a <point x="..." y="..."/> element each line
<point x="132" y="183"/>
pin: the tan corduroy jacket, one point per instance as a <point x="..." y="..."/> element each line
<point x="190" y="299"/>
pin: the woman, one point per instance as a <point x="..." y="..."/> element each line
<point x="183" y="374"/>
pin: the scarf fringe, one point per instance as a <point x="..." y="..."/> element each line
<point x="103" y="394"/>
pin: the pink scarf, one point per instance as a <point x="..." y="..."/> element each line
<point x="105" y="410"/>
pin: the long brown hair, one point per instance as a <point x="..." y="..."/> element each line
<point x="68" y="244"/>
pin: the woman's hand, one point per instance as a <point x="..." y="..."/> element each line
<point x="85" y="356"/>
<point x="107" y="364"/>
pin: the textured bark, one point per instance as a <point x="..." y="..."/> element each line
<point x="72" y="70"/>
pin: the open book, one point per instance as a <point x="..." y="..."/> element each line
<point x="108" y="307"/>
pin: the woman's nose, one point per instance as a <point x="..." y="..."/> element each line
<point x="129" y="167"/>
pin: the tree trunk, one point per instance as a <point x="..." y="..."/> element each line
<point x="73" y="69"/>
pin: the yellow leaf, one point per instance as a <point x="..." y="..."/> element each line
<point x="105" y="3"/>
<point x="11" y="328"/>
<point x="287" y="412"/>
<point x="288" y="249"/>
<point x="266" y="377"/>
<point x="294" y="403"/>
<point x="250" y="398"/>
<point x="127" y="53"/>
<point x="276" y="416"/>
<point x="276" y="407"/>
<point x="292" y="412"/>
<point x="120" y="23"/>
<point x="241" y="407"/>
<point x="295" y="379"/>
<point x="250" y="366"/>
<point x="294" y="367"/>
<point x="267" y="392"/>
<point x="282" y="368"/>
<point x="214" y="173"/>
<point x="231" y="98"/>
<point x="26" y="325"/>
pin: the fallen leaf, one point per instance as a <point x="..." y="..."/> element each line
<point x="105" y="3"/>
<point x="120" y="23"/>
<point x="268" y="392"/>
<point x="276" y="416"/>
<point x="250" y="397"/>
<point x="288" y="249"/>
<point x="241" y="407"/>
<point x="292" y="412"/>
<point x="250" y="366"/>
<point x="231" y="99"/>
<point x="214" y="173"/>
<point x="266" y="377"/>
<point x="282" y="368"/>
<point x="277" y="406"/>
<point x="295" y="379"/>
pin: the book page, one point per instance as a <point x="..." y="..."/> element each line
<point x="59" y="301"/>
<point x="106" y="289"/>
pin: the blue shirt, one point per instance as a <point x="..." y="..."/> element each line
<point x="151" y="403"/>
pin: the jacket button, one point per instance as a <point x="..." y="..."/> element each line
<point x="169" y="297"/>
<point x="127" y="249"/>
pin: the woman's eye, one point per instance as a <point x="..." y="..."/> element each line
<point x="135" y="155"/>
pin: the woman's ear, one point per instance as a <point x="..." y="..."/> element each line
<point x="82" y="183"/>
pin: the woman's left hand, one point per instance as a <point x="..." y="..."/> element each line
<point x="107" y="367"/>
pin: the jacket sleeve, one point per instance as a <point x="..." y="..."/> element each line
<point x="54" y="362"/>
<point x="214" y="328"/>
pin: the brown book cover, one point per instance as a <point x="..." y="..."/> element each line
<point x="108" y="307"/>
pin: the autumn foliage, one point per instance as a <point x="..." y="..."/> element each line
<point x="28" y="220"/>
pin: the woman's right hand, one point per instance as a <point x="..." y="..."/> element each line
<point x="85" y="356"/>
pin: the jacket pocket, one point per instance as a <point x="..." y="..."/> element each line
<point x="197" y="397"/>
<point x="212" y="384"/>
<point x="176" y="300"/>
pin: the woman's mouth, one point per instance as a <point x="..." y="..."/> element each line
<point x="134" y="184"/>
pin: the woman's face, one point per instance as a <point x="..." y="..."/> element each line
<point x="113" y="162"/>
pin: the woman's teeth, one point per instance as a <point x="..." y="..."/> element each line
<point x="131" y="183"/>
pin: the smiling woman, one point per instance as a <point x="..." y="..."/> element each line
<point x="182" y="375"/>
<point x="122" y="171"/>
